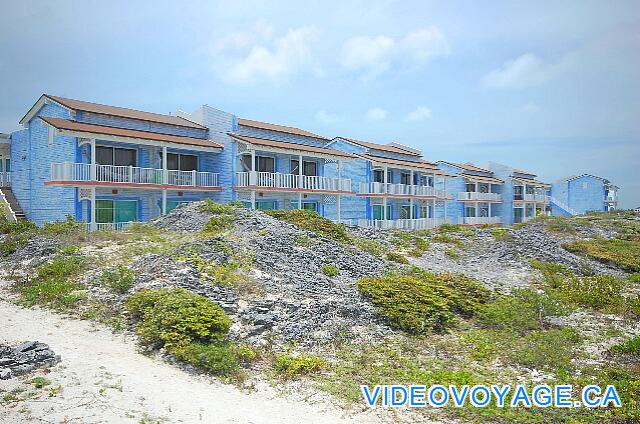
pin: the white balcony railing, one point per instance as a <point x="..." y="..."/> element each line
<point x="538" y="198"/>
<point x="400" y="190"/>
<point x="131" y="175"/>
<point x="478" y="196"/>
<point x="609" y="199"/>
<point x="403" y="224"/>
<point x="110" y="226"/>
<point x="5" y="179"/>
<point x="291" y="181"/>
<point x="479" y="220"/>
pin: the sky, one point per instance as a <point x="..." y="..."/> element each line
<point x="549" y="87"/>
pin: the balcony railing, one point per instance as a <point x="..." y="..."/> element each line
<point x="110" y="226"/>
<point x="480" y="220"/>
<point x="291" y="181"/>
<point x="400" y="190"/>
<point x="538" y="198"/>
<point x="84" y="172"/>
<point x="610" y="199"/>
<point x="402" y="224"/>
<point x="5" y="179"/>
<point x="478" y="196"/>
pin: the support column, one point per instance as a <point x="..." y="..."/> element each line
<point x="489" y="205"/>
<point x="164" y="201"/>
<point x="300" y="181"/>
<point x="93" y="225"/>
<point x="444" y="183"/>
<point x="385" y="191"/>
<point x="165" y="179"/>
<point x="338" y="204"/>
<point x="253" y="180"/>
<point x="93" y="160"/>
<point x="411" y="214"/>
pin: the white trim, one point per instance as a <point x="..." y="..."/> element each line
<point x="288" y="151"/>
<point x="43" y="100"/>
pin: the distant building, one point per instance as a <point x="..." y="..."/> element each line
<point x="583" y="193"/>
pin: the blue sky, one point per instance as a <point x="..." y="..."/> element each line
<point x="549" y="87"/>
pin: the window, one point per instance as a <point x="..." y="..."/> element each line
<point x="426" y="211"/>
<point x="585" y="185"/>
<point x="111" y="211"/>
<point x="378" y="212"/>
<point x="266" y="206"/>
<point x="405" y="178"/>
<point x="309" y="168"/>
<point x="180" y="162"/>
<point x="470" y="187"/>
<point x="309" y="206"/>
<point x="426" y="181"/>
<point x="378" y="176"/>
<point x="172" y="204"/>
<point x="263" y="163"/>
<point x="470" y="212"/>
<point x="8" y="165"/>
<point x="115" y="156"/>
<point x="517" y="193"/>
<point x="405" y="212"/>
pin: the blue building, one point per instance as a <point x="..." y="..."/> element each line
<point x="395" y="187"/>
<point x="111" y="166"/>
<point x="584" y="193"/>
<point x="523" y="197"/>
<point x="478" y="193"/>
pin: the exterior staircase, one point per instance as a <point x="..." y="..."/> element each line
<point x="10" y="206"/>
<point x="563" y="206"/>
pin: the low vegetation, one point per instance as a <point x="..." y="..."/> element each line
<point x="119" y="278"/>
<point x="397" y="257"/>
<point x="622" y="253"/>
<point x="312" y="221"/>
<point x="423" y="302"/>
<point x="289" y="366"/>
<point x="330" y="270"/>
<point x="501" y="234"/>
<point x="222" y="219"/>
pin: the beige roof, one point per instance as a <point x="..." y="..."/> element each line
<point x="279" y="128"/>
<point x="531" y="181"/>
<point x="290" y="146"/>
<point x="468" y="167"/>
<point x="518" y="171"/>
<point x="482" y="178"/>
<point x="123" y="112"/>
<point x="423" y="164"/>
<point x="382" y="147"/>
<point x="65" y="124"/>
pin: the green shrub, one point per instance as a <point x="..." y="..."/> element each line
<point x="596" y="291"/>
<point x="292" y="366"/>
<point x="422" y="302"/>
<point x="446" y="238"/>
<point x="544" y="349"/>
<point x="209" y="206"/>
<point x="554" y="273"/>
<point x="20" y="227"/>
<point x="501" y="234"/>
<point x="16" y="235"/>
<point x="559" y="225"/>
<point x="634" y="278"/>
<point x="119" y="278"/>
<point x="311" y="221"/>
<point x="397" y="257"/>
<point x="61" y="228"/>
<point x="422" y="244"/>
<point x="52" y="284"/>
<point x="176" y="317"/>
<point x="622" y="253"/>
<point x="452" y="253"/>
<point x="627" y="385"/>
<point x="39" y="382"/>
<point x="222" y="219"/>
<point x="522" y="309"/>
<point x="450" y="228"/>
<point x="371" y="246"/>
<point x="217" y="358"/>
<point x="330" y="270"/>
<point x="631" y="346"/>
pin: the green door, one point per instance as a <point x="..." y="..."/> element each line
<point x="378" y="212"/>
<point x="126" y="211"/>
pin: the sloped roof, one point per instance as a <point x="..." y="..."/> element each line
<point x="518" y="171"/>
<point x="491" y="180"/>
<point x="467" y="166"/>
<point x="79" y="105"/>
<point x="422" y="164"/>
<point x="381" y="147"/>
<point x="280" y="128"/>
<point x="530" y="181"/>
<point x="290" y="146"/>
<point x="575" y="177"/>
<point x="66" y="124"/>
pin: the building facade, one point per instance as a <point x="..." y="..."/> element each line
<point x="111" y="166"/>
<point x="584" y="193"/>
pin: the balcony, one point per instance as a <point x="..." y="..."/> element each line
<point x="5" y="179"/>
<point x="131" y="176"/>
<point x="534" y="198"/>
<point x="291" y="182"/>
<point x="400" y="190"/>
<point x="480" y="220"/>
<point x="476" y="196"/>
<point x="609" y="199"/>
<point x="402" y="224"/>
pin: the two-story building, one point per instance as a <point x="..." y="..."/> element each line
<point x="478" y="194"/>
<point x="396" y="188"/>
<point x="583" y="193"/>
<point x="523" y="197"/>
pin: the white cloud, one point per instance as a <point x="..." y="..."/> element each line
<point x="530" y="107"/>
<point x="525" y="71"/>
<point x="376" y="114"/>
<point x="245" y="57"/>
<point x="375" y="55"/>
<point x="326" y="117"/>
<point x="424" y="44"/>
<point x="421" y="113"/>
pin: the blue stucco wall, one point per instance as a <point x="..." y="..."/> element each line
<point x="585" y="194"/>
<point x="134" y="124"/>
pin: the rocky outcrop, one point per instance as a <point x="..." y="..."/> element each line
<point x="24" y="358"/>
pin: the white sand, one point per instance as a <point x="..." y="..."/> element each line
<point x="104" y="380"/>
